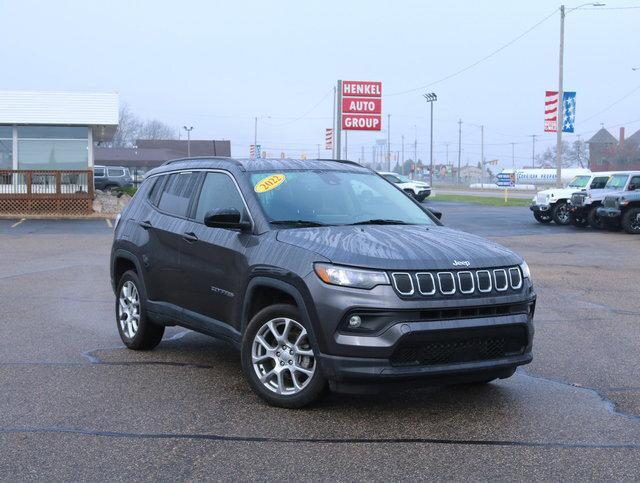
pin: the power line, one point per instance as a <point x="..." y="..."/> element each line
<point x="612" y="104"/>
<point x="308" y="112"/>
<point x="470" y="66"/>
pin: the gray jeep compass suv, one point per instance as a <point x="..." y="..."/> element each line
<point x="322" y="273"/>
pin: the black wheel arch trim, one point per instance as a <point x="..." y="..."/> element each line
<point x="127" y="255"/>
<point x="298" y="292"/>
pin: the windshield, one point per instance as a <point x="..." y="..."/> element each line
<point x="322" y="197"/>
<point x="404" y="179"/>
<point x="579" y="181"/>
<point x="617" y="181"/>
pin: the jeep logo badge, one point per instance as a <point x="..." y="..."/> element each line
<point x="461" y="263"/>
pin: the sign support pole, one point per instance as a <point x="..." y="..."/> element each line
<point x="338" y="129"/>
<point x="333" y="134"/>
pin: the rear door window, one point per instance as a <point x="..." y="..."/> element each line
<point x="599" y="183"/>
<point x="177" y="193"/>
<point x="218" y="192"/>
<point x="114" y="173"/>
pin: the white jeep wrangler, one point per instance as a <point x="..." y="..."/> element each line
<point x="552" y="204"/>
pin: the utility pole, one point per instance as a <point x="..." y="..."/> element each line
<point x="533" y="151"/>
<point x="482" y="153"/>
<point x="388" y="142"/>
<point x="318" y="151"/>
<point x="560" y="113"/>
<point x="333" y="125"/>
<point x="513" y="155"/>
<point x="415" y="144"/>
<point x="338" y="129"/>
<point x="188" y="129"/>
<point x="459" y="147"/>
<point x="402" y="158"/>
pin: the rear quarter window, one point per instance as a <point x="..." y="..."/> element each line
<point x="116" y="172"/>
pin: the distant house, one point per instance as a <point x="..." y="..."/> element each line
<point x="150" y="153"/>
<point x="606" y="153"/>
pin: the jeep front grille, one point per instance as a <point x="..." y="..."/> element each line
<point x="541" y="199"/>
<point x="458" y="283"/>
<point x="611" y="202"/>
<point x="577" y="199"/>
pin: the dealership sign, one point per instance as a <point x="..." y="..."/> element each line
<point x="361" y="106"/>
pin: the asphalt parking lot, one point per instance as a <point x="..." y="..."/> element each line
<point x="76" y="405"/>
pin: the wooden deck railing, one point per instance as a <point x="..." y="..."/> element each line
<point x="46" y="191"/>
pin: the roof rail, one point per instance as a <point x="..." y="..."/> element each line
<point x="202" y="158"/>
<point x="344" y="161"/>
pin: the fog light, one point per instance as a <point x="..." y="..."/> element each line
<point x="355" y="321"/>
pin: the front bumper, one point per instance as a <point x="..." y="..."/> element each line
<point x="608" y="212"/>
<point x="540" y="208"/>
<point x="371" y="358"/>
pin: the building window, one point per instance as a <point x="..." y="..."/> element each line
<point x="6" y="147"/>
<point x="53" y="147"/>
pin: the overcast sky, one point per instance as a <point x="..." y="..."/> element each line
<point x="216" y="65"/>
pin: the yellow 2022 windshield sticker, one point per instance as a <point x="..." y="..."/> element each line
<point x="268" y="183"/>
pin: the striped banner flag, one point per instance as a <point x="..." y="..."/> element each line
<point x="550" y="111"/>
<point x="328" y="138"/>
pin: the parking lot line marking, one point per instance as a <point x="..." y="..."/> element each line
<point x="17" y="223"/>
<point x="109" y="224"/>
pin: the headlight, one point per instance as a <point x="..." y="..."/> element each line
<point x="350" y="277"/>
<point x="526" y="273"/>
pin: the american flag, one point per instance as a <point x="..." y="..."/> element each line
<point x="328" y="138"/>
<point x="551" y="111"/>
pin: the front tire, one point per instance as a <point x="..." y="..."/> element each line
<point x="136" y="330"/>
<point x="561" y="214"/>
<point x="420" y="198"/>
<point x="543" y="218"/>
<point x="631" y="221"/>
<point x="579" y="221"/>
<point x="595" y="220"/>
<point x="278" y="359"/>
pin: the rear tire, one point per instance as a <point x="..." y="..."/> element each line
<point x="278" y="360"/>
<point x="136" y="330"/>
<point x="579" y="221"/>
<point x="542" y="217"/>
<point x="595" y="220"/>
<point x="631" y="221"/>
<point x="560" y="213"/>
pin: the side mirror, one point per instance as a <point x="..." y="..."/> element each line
<point x="228" y="218"/>
<point x="632" y="187"/>
<point x="437" y="214"/>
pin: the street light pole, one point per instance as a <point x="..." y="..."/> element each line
<point x="188" y="129"/>
<point x="431" y="98"/>
<point x="560" y="112"/>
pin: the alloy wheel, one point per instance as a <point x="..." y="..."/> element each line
<point x="129" y="309"/>
<point x="282" y="357"/>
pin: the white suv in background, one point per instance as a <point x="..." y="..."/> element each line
<point x="552" y="204"/>
<point x="418" y="189"/>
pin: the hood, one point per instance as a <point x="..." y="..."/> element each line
<point x="400" y="247"/>
<point x="559" y="192"/>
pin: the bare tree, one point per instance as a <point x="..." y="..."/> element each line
<point x="131" y="127"/>
<point x="128" y="128"/>
<point x="155" y="129"/>
<point x="574" y="154"/>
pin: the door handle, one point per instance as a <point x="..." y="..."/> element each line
<point x="145" y="224"/>
<point x="190" y="237"/>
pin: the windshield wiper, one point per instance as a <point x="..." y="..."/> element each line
<point x="380" y="221"/>
<point x="297" y="222"/>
